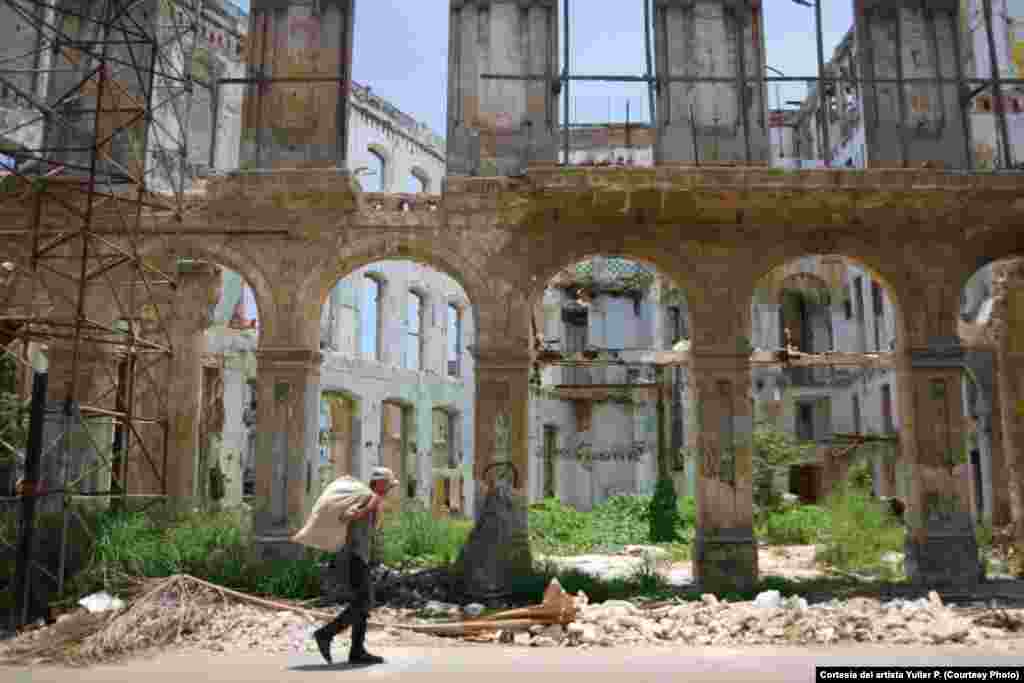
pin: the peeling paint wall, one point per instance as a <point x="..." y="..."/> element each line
<point x="372" y="382"/>
<point x="496" y="127"/>
<point x="710" y="39"/>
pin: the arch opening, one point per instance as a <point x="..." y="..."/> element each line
<point x="396" y="333"/>
<point x="991" y="306"/>
<point x="824" y="329"/>
<point x="610" y="335"/>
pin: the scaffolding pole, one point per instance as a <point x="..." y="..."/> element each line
<point x="101" y="163"/>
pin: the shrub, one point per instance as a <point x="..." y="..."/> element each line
<point x="801" y="525"/>
<point x="862" y="531"/>
<point x="556" y="528"/>
<point x="664" y="512"/>
<point x="415" y="535"/>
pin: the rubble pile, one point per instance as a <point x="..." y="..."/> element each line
<point x="772" y="620"/>
<point x="225" y="621"/>
<point x="392" y="586"/>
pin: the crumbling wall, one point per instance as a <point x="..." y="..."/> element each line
<point x="710" y="38"/>
<point x="912" y="122"/>
<point x="497" y="127"/>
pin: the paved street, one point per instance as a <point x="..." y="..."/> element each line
<point x="519" y="664"/>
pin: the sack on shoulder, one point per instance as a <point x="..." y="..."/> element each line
<point x="327" y="525"/>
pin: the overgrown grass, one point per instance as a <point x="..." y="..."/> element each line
<point x="559" y="529"/>
<point x="415" y="536"/>
<point x="215" y="546"/>
<point x="861" y="532"/>
<point x="797" y="525"/>
<point x="852" y="530"/>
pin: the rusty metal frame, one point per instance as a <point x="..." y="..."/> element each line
<point x="995" y="81"/>
<point x="86" y="221"/>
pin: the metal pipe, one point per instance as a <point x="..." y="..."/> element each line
<point x="26" y="534"/>
<point x="650" y="68"/>
<point x="119" y="448"/>
<point x="997" y="85"/>
<point x="741" y="83"/>
<point x="901" y="92"/>
<point x="76" y="349"/>
<point x="821" y="84"/>
<point x="565" y="80"/>
<point x="611" y="78"/>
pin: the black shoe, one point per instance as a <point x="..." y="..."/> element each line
<point x="364" y="658"/>
<point x="323" y="642"/>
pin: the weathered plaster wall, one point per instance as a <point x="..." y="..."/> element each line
<point x="370" y="381"/>
<point x="924" y="122"/>
<point x="497" y="127"/>
<point x="710" y="39"/>
<point x="409" y="148"/>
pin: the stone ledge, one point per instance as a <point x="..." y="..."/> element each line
<point x="541" y="177"/>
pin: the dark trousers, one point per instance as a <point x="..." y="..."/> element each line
<point x="358" y="611"/>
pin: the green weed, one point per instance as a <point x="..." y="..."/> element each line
<point x="862" y="531"/>
<point x="802" y="525"/>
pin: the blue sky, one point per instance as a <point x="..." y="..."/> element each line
<point x="401" y="51"/>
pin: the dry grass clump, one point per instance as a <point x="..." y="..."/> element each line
<point x="158" y="613"/>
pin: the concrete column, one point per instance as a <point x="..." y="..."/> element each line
<point x="995" y="504"/>
<point x="502" y="419"/>
<point x="887" y="477"/>
<point x="915" y="122"/>
<point x="297" y="124"/>
<point x="941" y="549"/>
<point x="725" y="551"/>
<point x="288" y="419"/>
<point x="197" y="287"/>
<point x="235" y="434"/>
<point x="1010" y="381"/>
<point x="83" y="443"/>
<point x="990" y="435"/>
<point x="498" y="549"/>
<point x="498" y="127"/>
<point x="710" y="122"/>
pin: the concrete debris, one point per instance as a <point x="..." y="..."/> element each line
<point x="768" y="600"/>
<point x="770" y="619"/>
<point x="101" y="602"/>
<point x="473" y="609"/>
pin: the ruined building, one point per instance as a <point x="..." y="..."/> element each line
<point x="293" y="221"/>
<point x="856" y="109"/>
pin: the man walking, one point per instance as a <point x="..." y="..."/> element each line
<point x="356" y="555"/>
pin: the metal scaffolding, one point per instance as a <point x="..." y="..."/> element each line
<point x="98" y="161"/>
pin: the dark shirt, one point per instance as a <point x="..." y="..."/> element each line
<point x="360" y="536"/>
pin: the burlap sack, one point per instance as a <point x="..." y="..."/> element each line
<point x="327" y="525"/>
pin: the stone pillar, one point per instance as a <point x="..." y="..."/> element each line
<point x="74" y="447"/>
<point x="995" y="505"/>
<point x="1008" y="316"/>
<point x="235" y="433"/>
<point x="287" y="432"/>
<point x="198" y="286"/>
<point x="725" y="551"/>
<point x="922" y="121"/>
<point x="990" y="435"/>
<point x="502" y="420"/>
<point x="498" y="127"/>
<point x="886" y="476"/>
<point x="724" y="120"/>
<point x="298" y="124"/>
<point x="498" y="548"/>
<point x="941" y="549"/>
